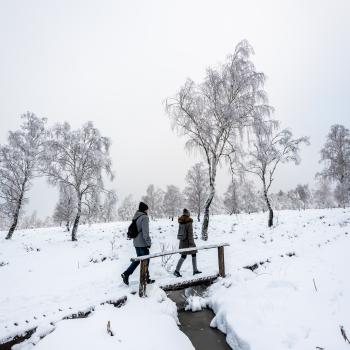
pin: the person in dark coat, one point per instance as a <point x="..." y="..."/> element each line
<point x="142" y="242"/>
<point x="185" y="236"/>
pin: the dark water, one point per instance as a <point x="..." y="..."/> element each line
<point x="196" y="325"/>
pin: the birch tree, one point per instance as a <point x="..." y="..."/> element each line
<point x="18" y="165"/>
<point x="108" y="207"/>
<point x="127" y="208"/>
<point x="77" y="158"/>
<point x="196" y="191"/>
<point x="341" y="194"/>
<point x="172" y="202"/>
<point x="268" y="149"/>
<point x="304" y="194"/>
<point x="213" y="114"/>
<point x="231" y="198"/>
<point x="91" y="205"/>
<point x="154" y="199"/>
<point x="336" y="156"/>
<point x="30" y="221"/>
<point x="65" y="209"/>
<point x="323" y="196"/>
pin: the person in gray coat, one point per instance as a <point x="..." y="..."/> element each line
<point x="185" y="236"/>
<point x="142" y="242"/>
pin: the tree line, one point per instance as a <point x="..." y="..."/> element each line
<point x="243" y="195"/>
<point x="73" y="160"/>
<point x="226" y="117"/>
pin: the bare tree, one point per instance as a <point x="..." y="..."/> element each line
<point x="30" y="221"/>
<point x="214" y="113"/>
<point x="47" y="222"/>
<point x="196" y="191"/>
<point x="172" y="201"/>
<point x="4" y="221"/>
<point x="323" y="196"/>
<point x="250" y="200"/>
<point x="108" y="207"/>
<point x="286" y="200"/>
<point x="77" y="158"/>
<point x="268" y="149"/>
<point x="241" y="196"/>
<point x="217" y="205"/>
<point x="154" y="198"/>
<point x="342" y="194"/>
<point x="127" y="208"/>
<point x="304" y="194"/>
<point x="336" y="156"/>
<point x="65" y="209"/>
<point x="18" y="163"/>
<point x="231" y="197"/>
<point x="91" y="206"/>
<point x="295" y="203"/>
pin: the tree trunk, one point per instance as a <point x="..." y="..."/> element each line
<point x="16" y="214"/>
<point x="206" y="213"/>
<point x="270" y="222"/>
<point x="199" y="216"/>
<point x="76" y="221"/>
<point x="67" y="225"/>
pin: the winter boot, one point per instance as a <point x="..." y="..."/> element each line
<point x="194" y="264"/>
<point x="177" y="274"/>
<point x="178" y="267"/>
<point x="125" y="278"/>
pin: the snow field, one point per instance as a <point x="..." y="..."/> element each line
<point x="274" y="307"/>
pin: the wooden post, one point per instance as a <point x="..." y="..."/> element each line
<point x="143" y="278"/>
<point x="221" y="261"/>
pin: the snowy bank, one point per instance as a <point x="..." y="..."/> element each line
<point x="275" y="305"/>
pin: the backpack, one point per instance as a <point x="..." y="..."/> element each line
<point x="132" y="230"/>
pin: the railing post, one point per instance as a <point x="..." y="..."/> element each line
<point x="143" y="278"/>
<point x="221" y="258"/>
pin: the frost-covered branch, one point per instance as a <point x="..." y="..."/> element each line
<point x="214" y="113"/>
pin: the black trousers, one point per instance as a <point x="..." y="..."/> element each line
<point x="140" y="251"/>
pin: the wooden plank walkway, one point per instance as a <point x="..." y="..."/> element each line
<point x="185" y="283"/>
<point x="144" y="259"/>
<point x="179" y="251"/>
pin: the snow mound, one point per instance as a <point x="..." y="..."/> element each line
<point x="195" y="303"/>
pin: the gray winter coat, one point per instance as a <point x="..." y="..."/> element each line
<point x="142" y="239"/>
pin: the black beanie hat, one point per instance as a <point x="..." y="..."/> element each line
<point x="186" y="212"/>
<point x="143" y="206"/>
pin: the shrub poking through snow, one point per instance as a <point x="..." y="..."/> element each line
<point x="109" y="331"/>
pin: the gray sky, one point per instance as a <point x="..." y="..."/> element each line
<point x="114" y="62"/>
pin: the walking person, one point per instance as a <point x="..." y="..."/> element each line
<point x="185" y="235"/>
<point x="142" y="241"/>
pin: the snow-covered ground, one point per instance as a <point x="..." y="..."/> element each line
<point x="296" y="299"/>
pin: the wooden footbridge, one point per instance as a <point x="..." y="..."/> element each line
<point x="27" y="331"/>
<point x="144" y="260"/>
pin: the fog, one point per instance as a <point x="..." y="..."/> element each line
<point x="115" y="63"/>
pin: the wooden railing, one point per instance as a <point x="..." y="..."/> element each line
<point x="143" y="260"/>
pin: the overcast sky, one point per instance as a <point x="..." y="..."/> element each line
<point x="115" y="62"/>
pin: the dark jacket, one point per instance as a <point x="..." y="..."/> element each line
<point x="142" y="239"/>
<point x="186" y="230"/>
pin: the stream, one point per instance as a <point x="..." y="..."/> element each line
<point x="196" y="325"/>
